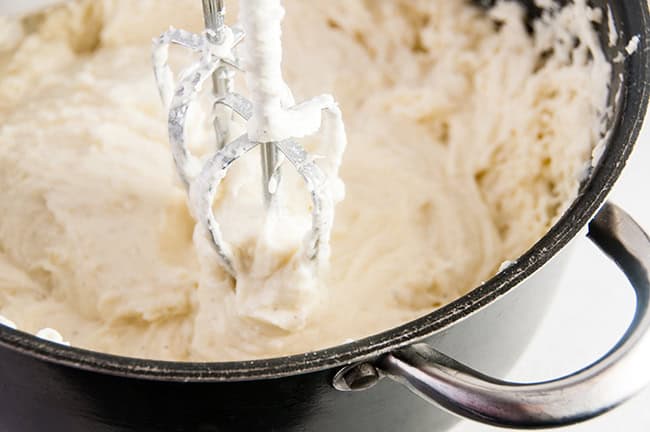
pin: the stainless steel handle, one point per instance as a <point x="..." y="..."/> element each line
<point x="610" y="381"/>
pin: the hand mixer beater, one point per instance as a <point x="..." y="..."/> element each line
<point x="274" y="121"/>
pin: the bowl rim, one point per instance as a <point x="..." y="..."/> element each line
<point x="633" y="106"/>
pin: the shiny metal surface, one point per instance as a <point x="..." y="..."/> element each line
<point x="270" y="171"/>
<point x="610" y="381"/>
<point x="223" y="78"/>
<point x="214" y="12"/>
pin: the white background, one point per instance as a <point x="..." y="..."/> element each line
<point x="594" y="307"/>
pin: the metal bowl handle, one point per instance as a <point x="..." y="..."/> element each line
<point x="610" y="381"/>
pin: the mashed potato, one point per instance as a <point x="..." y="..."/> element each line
<point x="467" y="138"/>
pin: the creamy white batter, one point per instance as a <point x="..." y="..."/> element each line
<point x="466" y="142"/>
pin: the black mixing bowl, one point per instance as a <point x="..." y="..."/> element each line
<point x="48" y="387"/>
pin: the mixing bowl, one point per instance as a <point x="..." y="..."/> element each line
<point x="396" y="380"/>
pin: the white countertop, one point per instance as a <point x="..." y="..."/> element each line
<point x="571" y="336"/>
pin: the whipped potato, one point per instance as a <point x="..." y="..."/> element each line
<point x="467" y="137"/>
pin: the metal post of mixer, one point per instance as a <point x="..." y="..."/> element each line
<point x="270" y="176"/>
<point x="223" y="79"/>
<point x="264" y="31"/>
<point x="223" y="84"/>
<point x="214" y="12"/>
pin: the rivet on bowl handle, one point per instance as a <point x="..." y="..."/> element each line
<point x="594" y="390"/>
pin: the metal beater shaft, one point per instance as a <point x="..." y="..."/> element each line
<point x="269" y="153"/>
<point x="214" y="12"/>
<point x="223" y="79"/>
